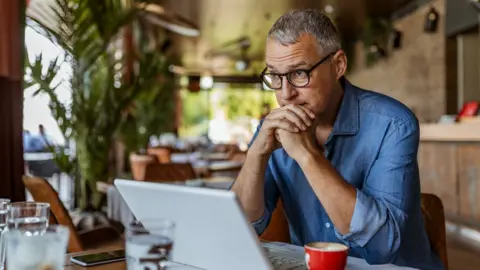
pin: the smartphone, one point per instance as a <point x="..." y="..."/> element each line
<point x="99" y="258"/>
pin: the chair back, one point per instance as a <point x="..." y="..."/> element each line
<point x="166" y="172"/>
<point x="434" y="216"/>
<point x="42" y="191"/>
<point x="277" y="230"/>
<point x="163" y="154"/>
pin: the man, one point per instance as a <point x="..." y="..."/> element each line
<point x="342" y="159"/>
<point x="32" y="143"/>
<point x="44" y="137"/>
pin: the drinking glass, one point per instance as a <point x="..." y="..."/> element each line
<point x="3" y="224"/>
<point x="37" y="251"/>
<point x="149" y="244"/>
<point x="29" y="217"/>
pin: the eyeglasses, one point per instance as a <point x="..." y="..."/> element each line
<point x="297" y="78"/>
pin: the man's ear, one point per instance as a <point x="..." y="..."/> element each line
<point x="340" y="61"/>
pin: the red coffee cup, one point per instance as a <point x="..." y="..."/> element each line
<point x="326" y="256"/>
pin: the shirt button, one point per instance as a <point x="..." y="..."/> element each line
<point x="327" y="225"/>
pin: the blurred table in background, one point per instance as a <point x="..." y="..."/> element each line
<point x="118" y="210"/>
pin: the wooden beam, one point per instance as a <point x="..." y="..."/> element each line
<point x="12" y="25"/>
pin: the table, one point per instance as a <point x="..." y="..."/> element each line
<point x="212" y="162"/>
<point x="111" y="266"/>
<point x="226" y="165"/>
<point x="40" y="156"/>
<point x="352" y="264"/>
<point x="42" y="164"/>
<point x="118" y="210"/>
<point x="196" y="156"/>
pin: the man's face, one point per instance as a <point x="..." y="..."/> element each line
<point x="303" y="55"/>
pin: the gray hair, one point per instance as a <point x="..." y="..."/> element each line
<point x="288" y="28"/>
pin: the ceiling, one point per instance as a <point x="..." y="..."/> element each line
<point x="221" y="21"/>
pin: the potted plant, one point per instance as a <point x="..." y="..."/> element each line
<point x="150" y="114"/>
<point x="88" y="31"/>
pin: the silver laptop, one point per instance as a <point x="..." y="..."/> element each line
<point x="212" y="231"/>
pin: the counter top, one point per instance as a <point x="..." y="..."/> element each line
<point x="455" y="132"/>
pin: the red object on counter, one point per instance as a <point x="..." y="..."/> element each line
<point x="469" y="109"/>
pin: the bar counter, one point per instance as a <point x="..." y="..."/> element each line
<point x="449" y="161"/>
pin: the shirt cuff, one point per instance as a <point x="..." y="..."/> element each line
<point x="368" y="217"/>
<point x="261" y="224"/>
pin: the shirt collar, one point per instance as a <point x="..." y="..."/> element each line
<point x="348" y="118"/>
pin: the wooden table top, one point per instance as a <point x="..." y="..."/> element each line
<point x="227" y="165"/>
<point x="110" y="266"/>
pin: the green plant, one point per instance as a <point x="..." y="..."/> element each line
<point x="375" y="37"/>
<point x="87" y="31"/>
<point x="152" y="112"/>
<point x="195" y="113"/>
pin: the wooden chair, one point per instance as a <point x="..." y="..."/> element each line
<point x="163" y="154"/>
<point x="102" y="236"/>
<point x="434" y="216"/>
<point x="166" y="172"/>
<point x="277" y="230"/>
<point x="432" y="210"/>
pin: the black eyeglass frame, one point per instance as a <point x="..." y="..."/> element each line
<point x="289" y="74"/>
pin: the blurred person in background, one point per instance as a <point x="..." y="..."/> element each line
<point x="47" y="139"/>
<point x="40" y="142"/>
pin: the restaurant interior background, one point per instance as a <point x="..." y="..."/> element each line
<point x="425" y="53"/>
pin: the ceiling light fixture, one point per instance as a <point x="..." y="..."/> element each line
<point x="157" y="14"/>
<point x="206" y="82"/>
<point x="329" y="9"/>
<point x="242" y="64"/>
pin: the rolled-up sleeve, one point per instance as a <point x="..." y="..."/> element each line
<point x="271" y="193"/>
<point x="390" y="192"/>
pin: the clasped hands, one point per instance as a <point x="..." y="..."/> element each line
<point x="290" y="127"/>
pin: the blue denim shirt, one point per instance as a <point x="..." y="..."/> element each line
<point x="373" y="146"/>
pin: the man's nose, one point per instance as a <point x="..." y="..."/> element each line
<point x="288" y="90"/>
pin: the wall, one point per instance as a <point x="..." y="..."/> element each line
<point x="468" y="45"/>
<point x="415" y="73"/>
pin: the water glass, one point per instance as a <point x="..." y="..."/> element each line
<point x="29" y="217"/>
<point x="3" y="224"/>
<point x="38" y="251"/>
<point x="149" y="244"/>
